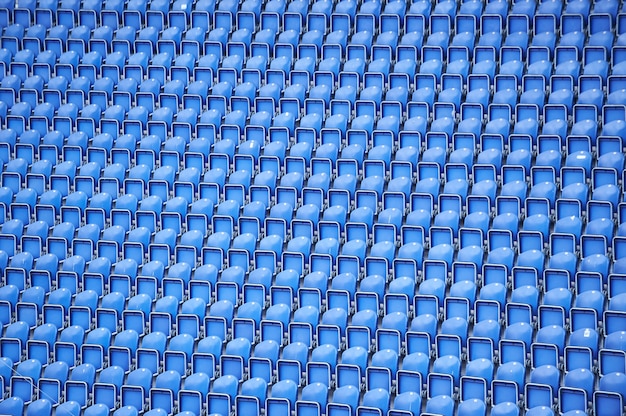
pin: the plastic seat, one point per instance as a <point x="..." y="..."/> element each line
<point x="612" y="126"/>
<point x="510" y="371"/>
<point x="346" y="397"/>
<point x="618" y="61"/>
<point x="599" y="223"/>
<point x="542" y="183"/>
<point x="572" y="31"/>
<point x="439" y="399"/>
<point x="154" y="342"/>
<point x="491" y="144"/>
<point x="226" y="387"/>
<point x="557" y="293"/>
<point x="195" y="383"/>
<point x="376" y="399"/>
<point x="433" y="285"/>
<point x="562" y="83"/>
<point x="23" y="260"/>
<point x="126" y="343"/>
<point x="592" y="258"/>
<point x="307" y="314"/>
<point x="70" y="407"/>
<point x="514" y="185"/>
<point x="471" y="122"/>
<point x="480" y="362"/>
<point x="432" y="57"/>
<point x="443" y="118"/>
<point x="354" y="356"/>
<point x="539" y="62"/>
<point x="594" y="62"/>
<point x="524" y="7"/>
<point x="29" y="369"/>
<point x="580" y="378"/>
<point x="451" y="86"/>
<point x="40" y="406"/>
<point x="583" y="333"/>
<point x="314" y="392"/>
<point x="556" y="124"/>
<point x="255" y="387"/>
<point x="500" y="246"/>
<point x="424" y="89"/>
<point x="136" y="388"/>
<point x="518" y="26"/>
<point x="598" y="35"/>
<point x="13" y="406"/>
<point x="166" y="387"/>
<point x="544" y="27"/>
<point x="81" y="381"/>
<point x="467" y="26"/>
<point x="538" y="219"/>
<point x="458" y="61"/>
<point x="167" y="304"/>
<point x="533" y="91"/>
<point x="27" y="197"/>
<point x="113" y="300"/>
<point x="440" y="30"/>
<point x="405" y="63"/>
<point x="140" y="302"/>
<point x="615" y="89"/>
<point x="608" y="158"/>
<point x="18" y="330"/>
<point x="31" y="304"/>
<point x="484" y="186"/>
<point x="590" y="90"/>
<point x="525" y="275"/>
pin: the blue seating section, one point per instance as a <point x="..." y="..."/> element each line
<point x="312" y="207"/>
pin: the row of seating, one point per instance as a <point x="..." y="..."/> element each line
<point x="92" y="99"/>
<point x="306" y="243"/>
<point x="309" y="159"/>
<point x="100" y="210"/>
<point x="331" y="137"/>
<point x="522" y="12"/>
<point x="314" y="400"/>
<point x="166" y="43"/>
<point x="49" y="73"/>
<point x="182" y="14"/>
<point x="147" y="190"/>
<point x="314" y="136"/>
<point x="145" y="58"/>
<point x="233" y="286"/>
<point x="313" y="220"/>
<point x="317" y="29"/>
<point x="384" y="372"/>
<point x="589" y="313"/>
<point x="332" y="203"/>
<point x="39" y="109"/>
<point x="517" y="336"/>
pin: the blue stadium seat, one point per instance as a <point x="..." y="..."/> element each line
<point x="572" y="31"/>
<point x="439" y="394"/>
<point x="346" y="397"/>
<point x="594" y="62"/>
<point x="13" y="406"/>
<point x="598" y="36"/>
<point x="581" y="7"/>
<point x="494" y="288"/>
<point x="480" y="358"/>
<point x="509" y="207"/>
<point x="537" y="219"/>
<point x="433" y="285"/>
